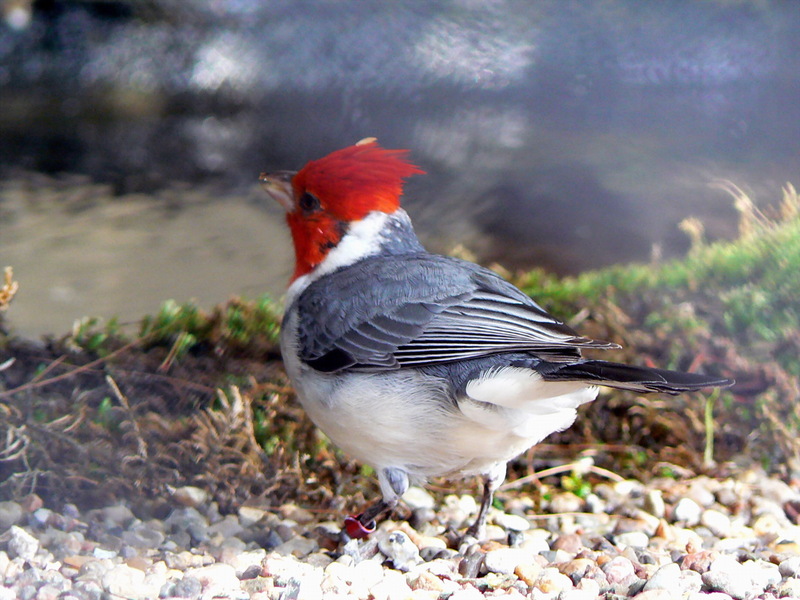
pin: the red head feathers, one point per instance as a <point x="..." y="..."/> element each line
<point x="328" y="194"/>
<point x="354" y="181"/>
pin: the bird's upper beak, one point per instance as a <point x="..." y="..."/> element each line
<point x="279" y="186"/>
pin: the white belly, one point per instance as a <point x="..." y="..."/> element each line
<point x="406" y="419"/>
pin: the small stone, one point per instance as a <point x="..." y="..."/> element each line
<point x="763" y="573"/>
<point x="534" y="541"/>
<point x="577" y="568"/>
<point x="790" y="587"/>
<point x="187" y="587"/>
<point x="31" y="502"/>
<point x="556" y="556"/>
<point x="565" y="502"/>
<point x="728" y="576"/>
<point x="10" y="514"/>
<point x="427" y="581"/>
<point x="368" y="572"/>
<point x="654" y="503"/>
<point x="656" y="594"/>
<point x="790" y="567"/>
<point x="528" y="572"/>
<point x="418" y="498"/>
<point x="690" y="581"/>
<point x="41" y="517"/>
<point x="717" y="522"/>
<point x="398" y="547"/>
<point x="471" y="564"/>
<point x="776" y="490"/>
<point x="629" y="487"/>
<point x="569" y="542"/>
<point x="216" y="576"/>
<point x="435" y="543"/>
<point x="189" y="495"/>
<point x="457" y="510"/>
<point x="297" y="514"/>
<point x="511" y="522"/>
<point x="687" y="511"/>
<point x="125" y="581"/>
<point x="576" y="594"/>
<point x="550" y="581"/>
<point x="103" y="553"/>
<point x="392" y="586"/>
<point x="117" y="514"/>
<point x="250" y="515"/>
<point x="226" y="528"/>
<point x="143" y="535"/>
<point x="298" y="546"/>
<point x="595" y="504"/>
<point x="618" y="570"/>
<point x="768" y="525"/>
<point x="505" y="560"/>
<point x="700" y="490"/>
<point x="666" y="578"/>
<point x="21" y="544"/>
<point x="699" y="561"/>
<point x="467" y="592"/>
<point x="591" y="586"/>
<point x="634" y="539"/>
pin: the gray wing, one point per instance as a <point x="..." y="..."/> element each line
<point x="416" y="309"/>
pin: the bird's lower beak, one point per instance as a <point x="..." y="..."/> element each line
<point x="279" y="186"/>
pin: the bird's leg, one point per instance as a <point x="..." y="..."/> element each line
<point x="491" y="481"/>
<point x="394" y="483"/>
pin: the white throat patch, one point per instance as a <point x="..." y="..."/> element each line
<point x="363" y="238"/>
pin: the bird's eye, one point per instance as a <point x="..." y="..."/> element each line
<point x="308" y="202"/>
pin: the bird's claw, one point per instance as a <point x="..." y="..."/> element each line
<point x="356" y="529"/>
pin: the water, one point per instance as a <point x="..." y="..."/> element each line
<point x="557" y="134"/>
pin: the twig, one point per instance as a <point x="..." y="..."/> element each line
<point x="141" y="444"/>
<point x="87" y="367"/>
<point x="518" y="483"/>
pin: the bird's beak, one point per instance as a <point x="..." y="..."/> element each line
<point x="279" y="186"/>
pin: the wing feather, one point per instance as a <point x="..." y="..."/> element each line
<point x="423" y="309"/>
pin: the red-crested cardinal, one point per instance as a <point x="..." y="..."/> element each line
<point x="416" y="364"/>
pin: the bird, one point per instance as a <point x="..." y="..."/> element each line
<point x="417" y="364"/>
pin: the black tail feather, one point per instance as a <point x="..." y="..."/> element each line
<point x="639" y="379"/>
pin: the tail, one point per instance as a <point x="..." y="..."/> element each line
<point x="637" y="379"/>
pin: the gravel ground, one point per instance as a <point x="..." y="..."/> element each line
<point x="701" y="538"/>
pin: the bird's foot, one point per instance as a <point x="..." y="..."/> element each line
<point x="356" y="528"/>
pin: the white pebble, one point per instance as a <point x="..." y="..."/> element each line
<point x="468" y="592"/>
<point x="577" y="594"/>
<point x="400" y="549"/>
<point x="654" y="503"/>
<point x="505" y="560"/>
<point x="687" y="511"/>
<point x="618" y="570"/>
<point x="511" y="522"/>
<point x="790" y="567"/>
<point x="21" y="544"/>
<point x="551" y="581"/>
<point x="726" y="575"/>
<point x="634" y="539"/>
<point x="10" y="514"/>
<point x="717" y="522"/>
<point x="125" y="581"/>
<point x="392" y="586"/>
<point x="666" y="578"/>
<point x="417" y="497"/>
<point x="188" y="495"/>
<point x="790" y="588"/>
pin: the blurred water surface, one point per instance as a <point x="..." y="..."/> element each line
<point x="558" y="133"/>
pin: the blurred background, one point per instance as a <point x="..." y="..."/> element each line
<point x="556" y="133"/>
